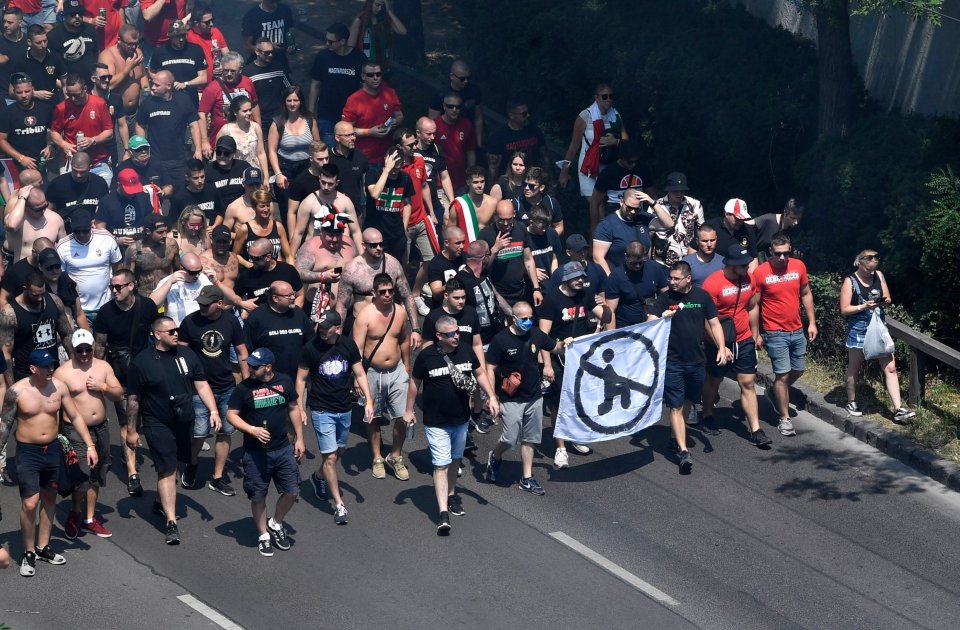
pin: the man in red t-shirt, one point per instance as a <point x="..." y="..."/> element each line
<point x="108" y="28"/>
<point x="421" y="230"/>
<point x="783" y="286"/>
<point x="457" y="140"/>
<point x="209" y="38"/>
<point x="215" y="100"/>
<point x="735" y="294"/>
<point x="87" y="114"/>
<point x="375" y="112"/>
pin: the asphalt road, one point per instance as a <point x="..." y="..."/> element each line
<point x="818" y="531"/>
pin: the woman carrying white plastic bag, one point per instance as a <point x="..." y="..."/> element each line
<point x="862" y="296"/>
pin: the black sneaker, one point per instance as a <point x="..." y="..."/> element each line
<point x="759" y="438"/>
<point x="319" y="486"/>
<point x="455" y="505"/>
<point x="674" y="445"/>
<point x="686" y="463"/>
<point x="188" y="479"/>
<point x="279" y="536"/>
<point x="134" y="488"/>
<point x="341" y="516"/>
<point x="173" y="533"/>
<point x="158" y="508"/>
<point x="470" y="446"/>
<point x="5" y="477"/>
<point x="221" y="485"/>
<point x="443" y="526"/>
<point x="901" y="415"/>
<point x="709" y="424"/>
<point x="28" y="564"/>
<point x="266" y="549"/>
<point x="50" y="556"/>
<point x="493" y="468"/>
<point x="483" y="422"/>
<point x="531" y="485"/>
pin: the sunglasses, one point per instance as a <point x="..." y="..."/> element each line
<point x="224" y="152"/>
<point x="452" y="106"/>
<point x="780" y="254"/>
<point x="531" y="185"/>
<point x="74" y="96"/>
<point x="373" y="74"/>
<point x="380" y="244"/>
<point x="459" y="78"/>
<point x="871" y="257"/>
<point x="193" y="272"/>
<point x="52" y="267"/>
<point x="265" y="52"/>
<point x="605" y="97"/>
<point x="105" y="77"/>
<point x="83" y="349"/>
<point x="384" y="291"/>
<point x="171" y="331"/>
<point x="117" y="287"/>
<point x="449" y="335"/>
<point x="258" y="258"/>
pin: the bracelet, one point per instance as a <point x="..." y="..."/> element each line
<point x="91" y="445"/>
<point x="416" y="330"/>
<point x="538" y="289"/>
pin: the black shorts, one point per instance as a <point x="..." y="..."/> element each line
<point x="169" y="444"/>
<point x="744" y="359"/>
<point x="261" y="466"/>
<point x="101" y="440"/>
<point x="38" y="467"/>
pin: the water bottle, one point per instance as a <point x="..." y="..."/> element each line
<point x="292" y="48"/>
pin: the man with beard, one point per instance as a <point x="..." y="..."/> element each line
<point x="13" y="276"/>
<point x="628" y="288"/>
<point x="320" y="204"/>
<point x="34" y="320"/>
<point x="140" y="158"/>
<point x="511" y="264"/>
<point x="281" y="326"/>
<point x="24" y="125"/>
<point x="374" y="110"/>
<point x="445" y="266"/>
<point x="62" y="286"/>
<point x="151" y="256"/>
<point x="90" y="382"/>
<point x="125" y="62"/>
<point x="351" y="161"/>
<point x="253" y="282"/>
<point x="82" y="122"/>
<point x="185" y="61"/>
<point x="74" y="40"/>
<point x="481" y="294"/>
<point x="77" y="189"/>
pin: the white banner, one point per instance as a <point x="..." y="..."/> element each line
<point x="613" y="383"/>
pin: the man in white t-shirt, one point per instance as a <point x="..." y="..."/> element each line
<point x="89" y="256"/>
<point x="178" y="292"/>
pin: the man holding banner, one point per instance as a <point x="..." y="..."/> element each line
<point x="568" y="312"/>
<point x="692" y="311"/>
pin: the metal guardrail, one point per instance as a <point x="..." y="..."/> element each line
<point x="921" y="347"/>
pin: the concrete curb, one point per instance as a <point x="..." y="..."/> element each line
<point x="888" y="441"/>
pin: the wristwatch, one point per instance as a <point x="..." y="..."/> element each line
<point x="417" y="330"/>
<point x="538" y="289"/>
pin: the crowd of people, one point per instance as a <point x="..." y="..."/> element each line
<point x="198" y="245"/>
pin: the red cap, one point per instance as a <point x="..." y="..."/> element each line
<point x="129" y="182"/>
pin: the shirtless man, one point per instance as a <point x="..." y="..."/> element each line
<point x="241" y="209"/>
<point x="219" y="261"/>
<point x="35" y="403"/>
<point x="321" y="259"/>
<point x="125" y="61"/>
<point x="474" y="210"/>
<point x="29" y="219"/>
<point x="89" y="380"/>
<point x="356" y="283"/>
<point x="151" y="258"/>
<point x="380" y="332"/>
<point x="325" y="201"/>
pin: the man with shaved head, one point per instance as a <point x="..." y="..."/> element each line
<point x="356" y="282"/>
<point x="252" y="283"/>
<point x="281" y="326"/>
<point x="445" y="266"/>
<point x="351" y="161"/>
<point x="28" y="219"/>
<point x="438" y="178"/>
<point x="461" y="84"/>
<point x="13" y="276"/>
<point x="80" y="188"/>
<point x="164" y="118"/>
<point x="511" y="265"/>
<point x="178" y="292"/>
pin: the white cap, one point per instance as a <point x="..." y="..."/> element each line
<point x="738" y="208"/>
<point x="82" y="336"/>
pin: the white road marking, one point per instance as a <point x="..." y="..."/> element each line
<point x="615" y="569"/>
<point x="208" y="612"/>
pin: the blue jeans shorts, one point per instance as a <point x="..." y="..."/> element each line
<point x="683" y="382"/>
<point x="201" y="425"/>
<point x="446" y="443"/>
<point x="787" y="350"/>
<point x="332" y="429"/>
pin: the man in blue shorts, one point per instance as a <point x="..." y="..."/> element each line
<point x="264" y="408"/>
<point x="332" y="362"/>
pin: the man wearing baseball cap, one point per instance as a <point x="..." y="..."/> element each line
<point x="140" y="158"/>
<point x="732" y="229"/>
<point x="330" y="401"/>
<point x="121" y="212"/>
<point x="735" y="293"/>
<point x="184" y="60"/>
<point x="74" y="40"/>
<point x="578" y="250"/>
<point x="264" y="407"/>
<point x="226" y="171"/>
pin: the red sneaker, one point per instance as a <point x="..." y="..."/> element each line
<point x="96" y="527"/>
<point x="72" y="527"/>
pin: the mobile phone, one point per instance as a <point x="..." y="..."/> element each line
<point x="881" y="300"/>
<point x="338" y="270"/>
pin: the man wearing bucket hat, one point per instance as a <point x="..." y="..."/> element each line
<point x="672" y="244"/>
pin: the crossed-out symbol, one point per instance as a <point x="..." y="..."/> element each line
<point x="614" y="384"/>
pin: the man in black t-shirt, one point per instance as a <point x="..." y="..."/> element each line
<point x="461" y="84"/>
<point x="253" y="282"/>
<point x="264" y="408"/>
<point x="455" y="305"/>
<point x="568" y="312"/>
<point x="42" y="65"/>
<point x="446" y="410"/>
<point x="281" y="326"/>
<point x="195" y="190"/>
<point x="438" y="178"/>
<point x="269" y="77"/>
<point x="185" y="60"/>
<point x="481" y="295"/>
<point x="351" y="161"/>
<point x="614" y="180"/>
<point x="390" y="192"/>
<point x="334" y="75"/>
<point x="123" y="210"/>
<point x="165" y="117"/>
<point x="13" y="278"/>
<point x="519" y="134"/>
<point x="77" y="189"/>
<point x="513" y="368"/>
<point x="24" y="125"/>
<point x="694" y="314"/>
<point x="211" y="332"/>
<point x="160" y="390"/>
<point x="272" y="20"/>
<point x="225" y="172"/>
<point x="511" y="266"/>
<point x="445" y="266"/>
<point x="74" y="40"/>
<point x="149" y="170"/>
<point x="332" y="362"/>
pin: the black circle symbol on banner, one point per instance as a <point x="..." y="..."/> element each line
<point x="615" y="385"/>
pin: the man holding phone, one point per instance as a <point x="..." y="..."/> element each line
<point x="783" y="287"/>
<point x="374" y="110"/>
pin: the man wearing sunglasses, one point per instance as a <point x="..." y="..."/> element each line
<point x="91" y="382"/>
<point x="62" y="286"/>
<point x="124" y="60"/>
<point x="74" y="40"/>
<point x="374" y="110"/>
<point x="614" y="180"/>
<point x="270" y="78"/>
<point x="29" y="219"/>
<point x="783" y="287"/>
<point x="336" y="69"/>
<point x="535" y="194"/>
<point x="100" y="78"/>
<point x="82" y="122"/>
<point x="178" y="292"/>
<point x="218" y="95"/>
<point x="90" y="255"/>
<point x="461" y="84"/>
<point x="25" y="124"/>
<point x="456" y="139"/>
<point x="208" y="37"/>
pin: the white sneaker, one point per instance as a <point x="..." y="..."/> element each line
<point x="786" y="427"/>
<point x="422" y="307"/>
<point x="560" y="460"/>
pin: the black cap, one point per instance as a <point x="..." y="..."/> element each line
<point x="628" y="150"/>
<point x="737" y="255"/>
<point x="48" y="257"/>
<point x="221" y="233"/>
<point x="73" y="7"/>
<point x="329" y="319"/>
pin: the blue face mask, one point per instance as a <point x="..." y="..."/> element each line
<point x="524" y="324"/>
